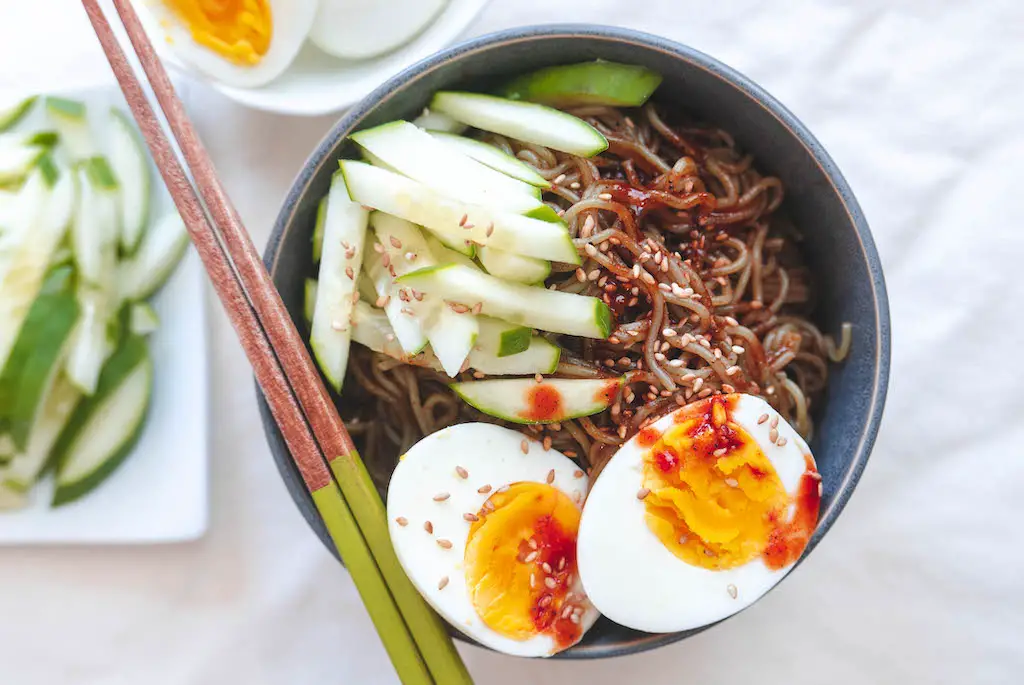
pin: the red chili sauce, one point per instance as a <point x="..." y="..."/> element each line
<point x="555" y="544"/>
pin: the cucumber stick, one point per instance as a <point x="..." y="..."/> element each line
<point x="129" y="161"/>
<point x="499" y="160"/>
<point x="512" y="266"/>
<point x="547" y="310"/>
<point x="19" y="153"/>
<point x="70" y="119"/>
<point x="10" y="115"/>
<point x="413" y="152"/>
<point x="103" y="428"/>
<point x="340" y="263"/>
<point x="451" y="335"/>
<point x="45" y="214"/>
<point x="525" y="121"/>
<point x="589" y="83"/>
<point x="456" y="222"/>
<point x="27" y="465"/>
<point x="435" y="121"/>
<point x="405" y="325"/>
<point x="524" y="400"/>
<point x="162" y="247"/>
<point x="318" y="229"/>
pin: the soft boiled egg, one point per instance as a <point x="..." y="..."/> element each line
<point x="484" y="522"/>
<point x="360" y="29"/>
<point x="243" y="43"/>
<point x="698" y="515"/>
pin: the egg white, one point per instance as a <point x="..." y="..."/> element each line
<point x="633" y="579"/>
<point x="360" y="29"/>
<point x="292" y="21"/>
<point x="493" y="456"/>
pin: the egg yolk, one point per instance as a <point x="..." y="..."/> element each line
<point x="520" y="562"/>
<point x="239" y="30"/>
<point x="714" y="498"/>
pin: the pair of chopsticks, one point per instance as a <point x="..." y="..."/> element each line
<point x="414" y="637"/>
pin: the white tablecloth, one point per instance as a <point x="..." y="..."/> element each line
<point x="920" y="580"/>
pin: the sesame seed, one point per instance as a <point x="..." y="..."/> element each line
<point x="551" y="474"/>
<point x="731" y="589"/>
<point x="773" y="435"/>
<point x="546" y="600"/>
<point x="378" y="248"/>
<point x="402" y="521"/>
<point x="738" y="349"/>
<point x="774" y="423"/>
<point x="642" y="493"/>
<point x="525" y="447"/>
<point x="719" y="452"/>
<point x="350" y="253"/>
<point x="464" y="219"/>
<point x="659" y="356"/>
<point x="396" y="243"/>
<point x="664" y="287"/>
<point x="469" y="226"/>
<point x="647" y="278"/>
<point x="728" y="388"/>
<point x="675" y="362"/>
<point x="718" y="354"/>
<point x="428" y="526"/>
<point x="575" y="185"/>
<point x="350" y="273"/>
<point x="458" y="308"/>
<point x="532" y="543"/>
<point x="668" y="332"/>
<point x="538" y="378"/>
<point x="444" y="544"/>
<point x="546" y="444"/>
<point x="590" y="249"/>
<point x="407" y="311"/>
<point x="577" y="474"/>
<point x="417" y="295"/>
<point x="441" y="496"/>
<point x="697" y="383"/>
<point x="761" y="419"/>
<point x="732" y="482"/>
<point x="484" y="489"/>
<point x="477" y="308"/>
<point x="533" y="580"/>
<point x="588" y="227"/>
<point x="531" y="557"/>
<point x="549" y="583"/>
<point x="490" y="230"/>
<point x="732" y="371"/>
<point x="559" y="179"/>
<point x="463" y="473"/>
<point x="781" y="442"/>
<point x="546" y="566"/>
<point x="443" y="583"/>
<point x="385" y="259"/>
<point x="471" y="517"/>
<point x="575" y="618"/>
<point x="566" y="611"/>
<point x="731" y="321"/>
<point x="604" y="196"/>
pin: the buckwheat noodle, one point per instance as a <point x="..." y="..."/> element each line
<point x="683" y="238"/>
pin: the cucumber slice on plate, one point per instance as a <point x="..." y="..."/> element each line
<point x="94" y="230"/>
<point x="512" y="266"/>
<point x="547" y="310"/>
<point x="318" y="229"/>
<point x="129" y="162"/>
<point x="19" y="153"/>
<point x="589" y="83"/>
<point x="71" y="121"/>
<point x="27" y="465"/>
<point x="454" y="222"/>
<point x="525" y="121"/>
<point x="524" y="400"/>
<point x="10" y="115"/>
<point x="340" y="263"/>
<point x="488" y="155"/>
<point x="412" y="152"/>
<point x="162" y="247"/>
<point x="436" y="121"/>
<point x="102" y="430"/>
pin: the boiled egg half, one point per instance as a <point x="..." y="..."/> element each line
<point x="484" y="522"/>
<point x="243" y="43"/>
<point x="698" y="515"/>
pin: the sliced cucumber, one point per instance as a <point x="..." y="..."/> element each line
<point x="129" y="160"/>
<point x="524" y="400"/>
<point x="162" y="247"/>
<point x="45" y="215"/>
<point x="547" y="310"/>
<point x="413" y="152"/>
<point x="309" y="300"/>
<point x="10" y="115"/>
<point x="19" y="153"/>
<point x="407" y="328"/>
<point x="512" y="266"/>
<point x="456" y="222"/>
<point x="589" y="83"/>
<point x="69" y="118"/>
<point x="103" y="429"/>
<point x="318" y="229"/>
<point x="446" y="255"/>
<point x="525" y="121"/>
<point x="340" y="263"/>
<point x="501" y="338"/>
<point x="499" y="160"/>
<point x="436" y="121"/>
<point x="37" y="355"/>
<point x="143" y="319"/>
<point x="92" y="340"/>
<point x="94" y="230"/>
<point x="27" y="465"/>
<point x="540" y="357"/>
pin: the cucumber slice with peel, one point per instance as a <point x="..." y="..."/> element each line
<point x="94" y="230"/>
<point x="162" y="247"/>
<point x="309" y="300"/>
<point x="524" y="400"/>
<point x="10" y="115"/>
<point x="525" y="121"/>
<point x="318" y="229"/>
<point x="340" y="263"/>
<point x="129" y="161"/>
<point x="102" y="430"/>
<point x="547" y="310"/>
<point x="70" y="120"/>
<point x="416" y="154"/>
<point x="19" y="153"/>
<point x="456" y="222"/>
<point x="488" y="155"/>
<point x="438" y="122"/>
<point x="589" y="83"/>
<point x="502" y="339"/>
<point x="513" y="267"/>
<point x="406" y="327"/>
<point x="27" y="465"/>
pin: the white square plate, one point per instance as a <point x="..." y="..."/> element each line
<point x="160" y="493"/>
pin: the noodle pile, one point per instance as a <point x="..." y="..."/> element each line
<point x="681" y="236"/>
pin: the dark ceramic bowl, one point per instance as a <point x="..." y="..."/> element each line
<point x="838" y="244"/>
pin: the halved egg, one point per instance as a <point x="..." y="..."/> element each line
<point x="698" y="515"/>
<point x="360" y="29"/>
<point x="484" y="522"/>
<point x="243" y="43"/>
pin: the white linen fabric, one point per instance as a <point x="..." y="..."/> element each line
<point x="920" y="580"/>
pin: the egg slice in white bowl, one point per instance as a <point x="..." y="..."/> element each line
<point x="242" y="44"/>
<point x="360" y="29"/>
<point x="698" y="515"/>
<point x="484" y="522"/>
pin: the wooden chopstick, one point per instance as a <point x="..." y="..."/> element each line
<point x="283" y="367"/>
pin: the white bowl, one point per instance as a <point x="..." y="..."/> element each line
<point x="317" y="83"/>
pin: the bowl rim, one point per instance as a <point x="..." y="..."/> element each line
<point x="758" y="96"/>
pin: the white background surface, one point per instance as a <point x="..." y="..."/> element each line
<point x="922" y="578"/>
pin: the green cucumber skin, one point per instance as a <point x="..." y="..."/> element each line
<point x="514" y="341"/>
<point x="132" y="352"/>
<point x="72" y="109"/>
<point x="588" y="83"/>
<point x="318" y="230"/>
<point x="17" y="113"/>
<point x="309" y="300"/>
